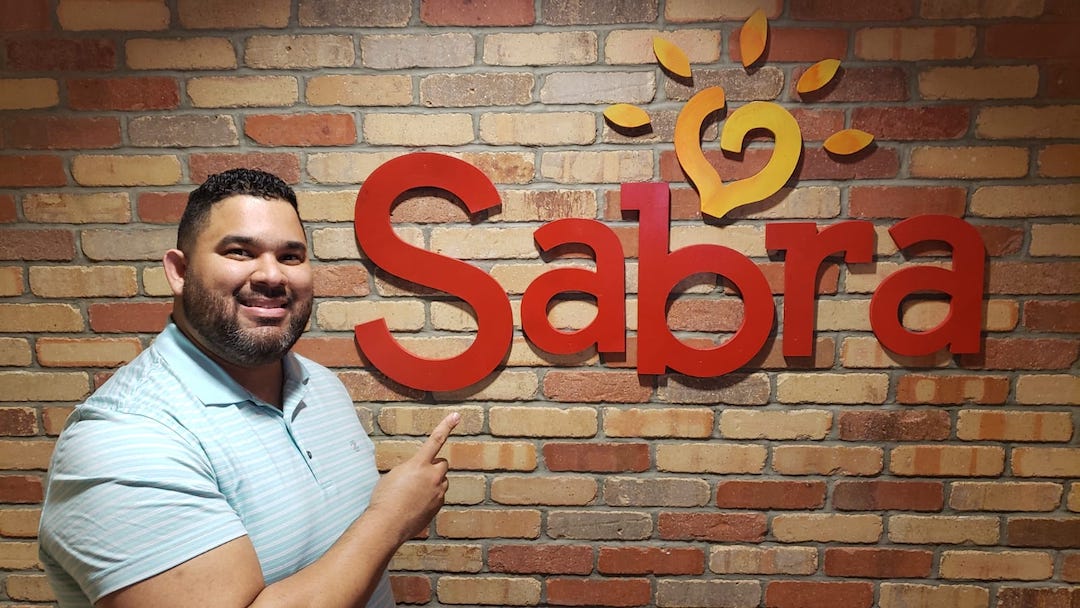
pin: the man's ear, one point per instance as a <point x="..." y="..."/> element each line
<point x="175" y="270"/>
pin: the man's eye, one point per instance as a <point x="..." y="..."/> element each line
<point x="237" y="252"/>
<point x="292" y="258"/>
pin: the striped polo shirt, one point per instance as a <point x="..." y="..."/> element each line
<point x="171" y="458"/>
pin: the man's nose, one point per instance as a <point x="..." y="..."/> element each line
<point x="268" y="271"/>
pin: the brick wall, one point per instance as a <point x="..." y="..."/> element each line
<point x="848" y="479"/>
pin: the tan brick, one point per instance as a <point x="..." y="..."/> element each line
<point x="1073" y="501"/>
<point x="832" y="388"/>
<point x="488" y="523"/>
<point x="827" y="460"/>
<point x="75" y="208"/>
<point x="923" y="315"/>
<point x="800" y="528"/>
<point x="908" y="595"/>
<point x="19" y="555"/>
<point x="721" y="459"/>
<point x="802" y="424"/>
<point x="843" y="315"/>
<point x="866" y="352"/>
<point x="488" y="590"/>
<point x="546" y="129"/>
<point x="546" y="205"/>
<point x="298" y="52"/>
<point x="1005" y="496"/>
<point x="656" y="492"/>
<point x="233" y="14"/>
<point x="44" y="386"/>
<point x="1028" y="122"/>
<point x="180" y="54"/>
<point x="969" y="162"/>
<point x="506" y="386"/>
<point x="685" y="11"/>
<point x="943" y="529"/>
<point x="11" y="281"/>
<point x="614" y="166"/>
<point x="489" y="456"/>
<point x="915" y="43"/>
<point x="549" y="48"/>
<point x="991" y="82"/>
<point x="86" y="352"/>
<point x="990" y="566"/>
<point x="28" y="93"/>
<point x="563" y="490"/>
<point x="1059" y="160"/>
<point x="19" y="318"/>
<point x="472" y="90"/>
<point x="326" y="206"/>
<point x="598" y="87"/>
<point x="111" y="170"/>
<point x="243" y="91"/>
<point x="54" y="418"/>
<point x="466" y="489"/>
<point x="183" y="131"/>
<point x="401" y="52"/>
<point x="982" y="425"/>
<point x="947" y="460"/>
<point x="1053" y="389"/>
<point x="483" y="243"/>
<point x="83" y="281"/>
<point x="413" y="420"/>
<point x="532" y="421"/>
<point x="344" y="316"/>
<point x="747" y="240"/>
<point x="15" y="352"/>
<point x="763" y="560"/>
<point x="438" y="557"/>
<point x="1056" y="240"/>
<point x="155" y="283"/>
<point x="683" y="422"/>
<point x="635" y="47"/>
<point x="1046" y="462"/>
<point x="418" y="129"/>
<point x="29" y="587"/>
<point x="345" y="167"/>
<point x="149" y="245"/>
<point x="20" y="523"/>
<point x="681" y="592"/>
<point x="124" y="15"/>
<point x="27" y="454"/>
<point x="359" y="90"/>
<point x="1026" y="201"/>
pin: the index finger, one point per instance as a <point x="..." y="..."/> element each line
<point x="438" y="437"/>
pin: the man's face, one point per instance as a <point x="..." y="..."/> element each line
<point x="248" y="287"/>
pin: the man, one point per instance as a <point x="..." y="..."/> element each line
<point x="218" y="468"/>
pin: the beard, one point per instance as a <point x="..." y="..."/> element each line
<point x="215" y="317"/>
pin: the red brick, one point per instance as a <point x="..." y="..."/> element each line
<point x="706" y="315"/>
<point x="411" y="588"/>
<point x="868" y="562"/>
<point x="951" y="389"/>
<point x="1070" y="568"/>
<point x="1024" y="353"/>
<point x="888" y="495"/>
<point x="483" y="13"/>
<point x="873" y="163"/>
<point x="331" y="352"/>
<point x="797" y="44"/>
<point x="61" y="55"/>
<point x="38" y="245"/>
<point x="851" y="10"/>
<point x="161" y="207"/>
<point x="24" y="16"/>
<point x="894" y="425"/>
<point x="913" y="123"/>
<point x="301" y="129"/>
<point x="1033" y="278"/>
<point x="149" y="93"/>
<point x="597" y="12"/>
<point x="1061" y="81"/>
<point x="597" y="457"/>
<point x="800" y="594"/>
<point x="598" y="592"/>
<point x="817" y="124"/>
<point x="31" y="171"/>
<point x="597" y="387"/>
<point x="129" y="317"/>
<point x="770" y="494"/>
<point x="1032" y="41"/>
<point x="1054" y="316"/>
<point x="713" y="527"/>
<point x="18" y="422"/>
<point x="21" y="489"/>
<point x="876" y="202"/>
<point x="341" y="280"/>
<point x="8" y="213"/>
<point x="1000" y="240"/>
<point x="651" y="560"/>
<point x="282" y="164"/>
<point x="63" y="133"/>
<point x="859" y="84"/>
<point x="540" y="559"/>
<point x="1038" y="597"/>
<point x="1043" y="532"/>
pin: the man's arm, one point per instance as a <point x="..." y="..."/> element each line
<point x="229" y="576"/>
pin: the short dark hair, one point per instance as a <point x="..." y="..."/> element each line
<point x="220" y="186"/>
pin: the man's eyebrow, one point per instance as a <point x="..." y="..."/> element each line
<point x="240" y="239"/>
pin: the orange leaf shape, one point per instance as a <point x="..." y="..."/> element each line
<point x="848" y="141"/>
<point x="817" y="75"/>
<point x="671" y="57"/>
<point x="626" y="115"/>
<point x="752" y="37"/>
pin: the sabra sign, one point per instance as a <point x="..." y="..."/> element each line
<point x="660" y="269"/>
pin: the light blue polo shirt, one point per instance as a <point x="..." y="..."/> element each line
<point x="171" y="458"/>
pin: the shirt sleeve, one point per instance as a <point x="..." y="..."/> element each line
<point x="128" y="498"/>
